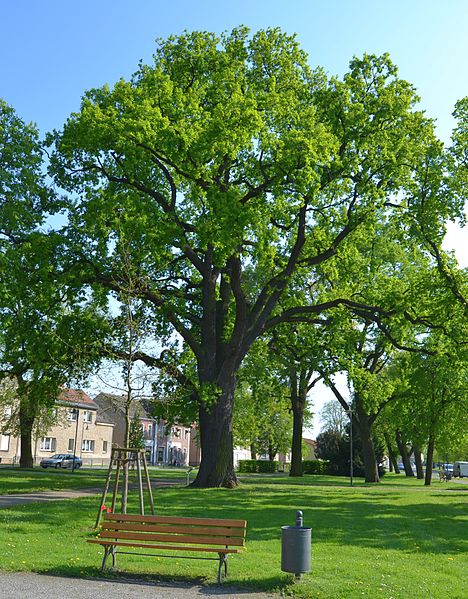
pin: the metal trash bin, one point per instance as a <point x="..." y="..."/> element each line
<point x="295" y="547"/>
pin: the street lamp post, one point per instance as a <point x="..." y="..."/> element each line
<point x="77" y="413"/>
<point x="350" y="414"/>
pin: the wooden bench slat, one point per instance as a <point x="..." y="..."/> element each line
<point x="168" y="547"/>
<point x="176" y="520"/>
<point x="172" y="538"/>
<point x="195" y="530"/>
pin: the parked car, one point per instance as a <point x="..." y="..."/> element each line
<point x="61" y="460"/>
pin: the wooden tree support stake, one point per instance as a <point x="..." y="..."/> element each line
<point x="123" y="457"/>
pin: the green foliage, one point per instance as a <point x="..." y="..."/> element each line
<point x="136" y="437"/>
<point x="335" y="450"/>
<point x="258" y="466"/>
<point x="250" y="190"/>
<point x="45" y="326"/>
<point x="315" y="466"/>
<point x="431" y="400"/>
<point x="261" y="412"/>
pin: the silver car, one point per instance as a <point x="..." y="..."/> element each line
<point x="61" y="460"/>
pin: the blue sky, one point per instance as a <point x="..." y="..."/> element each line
<point x="51" y="51"/>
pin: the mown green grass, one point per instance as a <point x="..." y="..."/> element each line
<point x="395" y="540"/>
<point x="16" y="480"/>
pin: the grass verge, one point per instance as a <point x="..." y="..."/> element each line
<point x="393" y="541"/>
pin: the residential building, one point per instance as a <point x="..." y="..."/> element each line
<point x="173" y="444"/>
<point x="310" y="447"/>
<point x="112" y="407"/>
<point x="79" y="429"/>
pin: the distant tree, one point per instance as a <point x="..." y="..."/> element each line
<point x="136" y="434"/>
<point x="262" y="419"/>
<point x="42" y="329"/>
<point x="334" y="419"/>
<point x="335" y="448"/>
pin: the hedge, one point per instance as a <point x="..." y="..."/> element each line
<point x="315" y="466"/>
<point x="257" y="466"/>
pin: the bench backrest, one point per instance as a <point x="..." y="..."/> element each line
<point x="168" y="529"/>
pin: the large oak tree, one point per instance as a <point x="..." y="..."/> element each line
<point x="228" y="166"/>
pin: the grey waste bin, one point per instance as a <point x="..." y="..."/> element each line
<point x="295" y="547"/>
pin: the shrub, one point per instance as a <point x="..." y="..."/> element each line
<point x="315" y="466"/>
<point x="257" y="466"/>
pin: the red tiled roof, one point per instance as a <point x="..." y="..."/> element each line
<point x="76" y="397"/>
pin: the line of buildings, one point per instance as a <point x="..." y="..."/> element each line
<point x="90" y="427"/>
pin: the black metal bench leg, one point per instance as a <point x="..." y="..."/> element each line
<point x="108" y="550"/>
<point x="222" y="563"/>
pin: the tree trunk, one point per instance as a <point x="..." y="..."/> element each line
<point x="216" y="442"/>
<point x="392" y="458"/>
<point x="429" y="459"/>
<point x="371" y="471"/>
<point x="363" y="421"/>
<point x="404" y="454"/>
<point x="418" y="462"/>
<point x="271" y="452"/>
<point x="27" y="416"/>
<point x="296" y="446"/>
<point x="253" y="451"/>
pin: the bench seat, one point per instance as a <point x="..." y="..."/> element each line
<point x="168" y="533"/>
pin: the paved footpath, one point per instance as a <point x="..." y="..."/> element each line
<point x="27" y="585"/>
<point x="7" y="501"/>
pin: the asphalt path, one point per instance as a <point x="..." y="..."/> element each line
<point x="7" y="501"/>
<point x="28" y="585"/>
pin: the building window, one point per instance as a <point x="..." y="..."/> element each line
<point x="88" y="445"/>
<point x="71" y="444"/>
<point x="104" y="447"/>
<point x="87" y="416"/>
<point x="4" y="442"/>
<point x="48" y="444"/>
<point x="161" y="454"/>
<point x="72" y="415"/>
<point x="150" y="430"/>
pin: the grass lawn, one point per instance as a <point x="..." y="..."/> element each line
<point x="16" y="480"/>
<point x="394" y="540"/>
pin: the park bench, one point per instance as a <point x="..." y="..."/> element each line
<point x="120" y="532"/>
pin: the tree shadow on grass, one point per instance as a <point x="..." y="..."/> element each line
<point x="377" y="520"/>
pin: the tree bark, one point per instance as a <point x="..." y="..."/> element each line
<point x="216" y="441"/>
<point x="392" y="458"/>
<point x="296" y="446"/>
<point x="363" y="422"/>
<point x="371" y="471"/>
<point x="271" y="452"/>
<point x="27" y="416"/>
<point x="404" y="454"/>
<point x="253" y="451"/>
<point x="429" y="460"/>
<point x="418" y="462"/>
